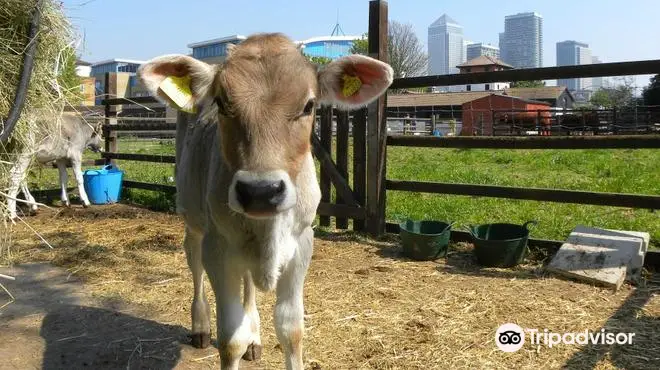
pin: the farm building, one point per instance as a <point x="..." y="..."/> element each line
<point x="556" y="96"/>
<point x="484" y="63"/>
<point x="446" y="105"/>
<point x="479" y="114"/>
<point x="428" y="111"/>
<point x="443" y="107"/>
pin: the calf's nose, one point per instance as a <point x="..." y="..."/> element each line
<point x="260" y="196"/>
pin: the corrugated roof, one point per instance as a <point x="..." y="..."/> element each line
<point x="546" y="92"/>
<point x="484" y="60"/>
<point x="440" y="99"/>
<point x="447" y="99"/>
<point x="516" y="98"/>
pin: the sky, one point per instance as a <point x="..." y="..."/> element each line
<point x="616" y="30"/>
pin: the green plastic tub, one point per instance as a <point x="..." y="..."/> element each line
<point x="425" y="240"/>
<point x="500" y="244"/>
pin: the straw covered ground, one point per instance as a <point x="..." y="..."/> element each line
<point x="366" y="306"/>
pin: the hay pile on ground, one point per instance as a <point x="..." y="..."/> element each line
<point x="46" y="95"/>
<point x="366" y="307"/>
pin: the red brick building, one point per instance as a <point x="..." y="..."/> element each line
<point x="479" y="113"/>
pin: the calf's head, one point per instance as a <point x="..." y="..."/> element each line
<point x="265" y="96"/>
<point x="94" y="141"/>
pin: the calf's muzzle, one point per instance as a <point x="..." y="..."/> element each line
<point x="260" y="196"/>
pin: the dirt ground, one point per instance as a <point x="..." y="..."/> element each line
<point x="115" y="292"/>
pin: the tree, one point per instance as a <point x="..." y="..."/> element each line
<point x="614" y="97"/>
<point x="532" y="83"/>
<point x="320" y="61"/>
<point x="405" y="52"/>
<point x="651" y="93"/>
<point x="361" y="46"/>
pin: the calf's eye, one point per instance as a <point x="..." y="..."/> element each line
<point x="309" y="107"/>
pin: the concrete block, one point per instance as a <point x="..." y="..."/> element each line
<point x="601" y="256"/>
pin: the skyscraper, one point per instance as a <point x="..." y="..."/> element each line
<point x="521" y="43"/>
<point x="596" y="82"/>
<point x="476" y="50"/>
<point x="446" y="49"/>
<point x="571" y="53"/>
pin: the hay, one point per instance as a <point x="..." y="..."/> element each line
<point x="366" y="307"/>
<point x="46" y="96"/>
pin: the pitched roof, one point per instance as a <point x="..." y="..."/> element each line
<point x="444" y="19"/>
<point x="448" y="98"/>
<point x="434" y="99"/>
<point x="530" y="101"/>
<point x="545" y="92"/>
<point x="484" y="60"/>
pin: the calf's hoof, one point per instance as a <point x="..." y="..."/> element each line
<point x="253" y="352"/>
<point x="200" y="340"/>
<point x="85" y="205"/>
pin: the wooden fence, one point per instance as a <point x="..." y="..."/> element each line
<point x="361" y="197"/>
<point x="379" y="184"/>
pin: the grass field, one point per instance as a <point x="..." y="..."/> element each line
<point x="621" y="171"/>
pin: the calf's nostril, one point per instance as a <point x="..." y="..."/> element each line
<point x="243" y="192"/>
<point x="279" y="187"/>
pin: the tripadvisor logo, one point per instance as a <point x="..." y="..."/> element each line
<point x="511" y="337"/>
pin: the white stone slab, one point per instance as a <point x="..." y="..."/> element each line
<point x="601" y="256"/>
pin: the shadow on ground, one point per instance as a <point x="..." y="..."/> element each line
<point x="79" y="336"/>
<point x="54" y="324"/>
<point x="644" y="353"/>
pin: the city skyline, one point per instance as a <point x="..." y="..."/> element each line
<point x="169" y="26"/>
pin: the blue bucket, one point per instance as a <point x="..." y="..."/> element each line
<point x="103" y="186"/>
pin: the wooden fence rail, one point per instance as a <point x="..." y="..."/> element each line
<point x="546" y="73"/>
<point x="538" y="194"/>
<point x="529" y="142"/>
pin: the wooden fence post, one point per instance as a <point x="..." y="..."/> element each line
<point x="326" y="142"/>
<point x="342" y="158"/>
<point x="377" y="125"/>
<point x="360" y="162"/>
<point x="110" y="136"/>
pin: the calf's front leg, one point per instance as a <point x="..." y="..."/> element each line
<point x="61" y="167"/>
<point x="289" y="308"/>
<point x="77" y="171"/>
<point x="250" y="305"/>
<point x="200" y="312"/>
<point x="233" y="324"/>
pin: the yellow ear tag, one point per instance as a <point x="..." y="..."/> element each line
<point x="351" y="85"/>
<point x="178" y="89"/>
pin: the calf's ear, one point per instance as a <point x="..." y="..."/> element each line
<point x="353" y="81"/>
<point x="180" y="81"/>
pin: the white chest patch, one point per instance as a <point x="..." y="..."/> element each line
<point x="278" y="250"/>
<point x="284" y="240"/>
